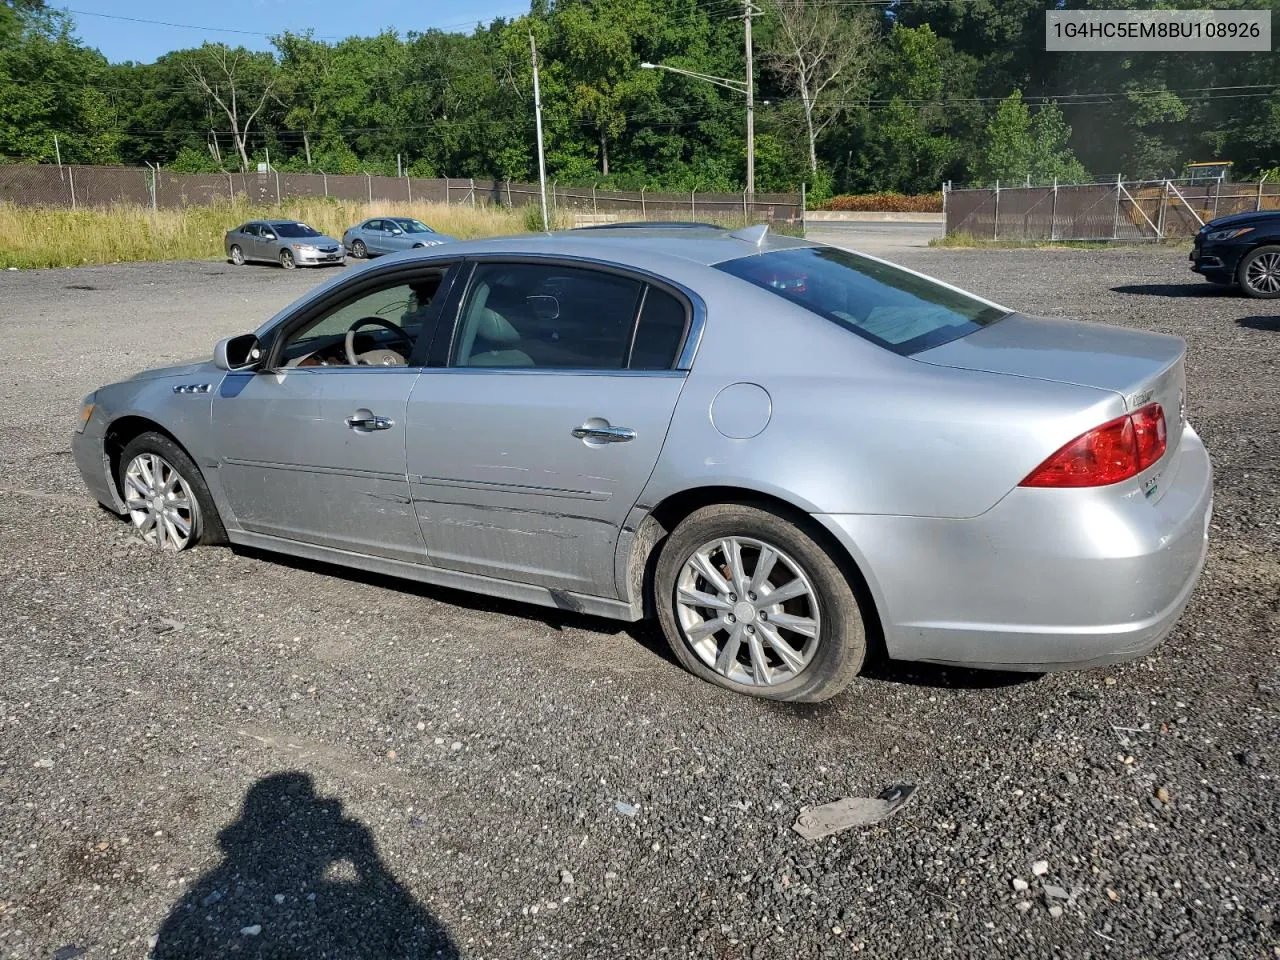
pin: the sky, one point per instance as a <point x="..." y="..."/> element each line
<point x="118" y="32"/>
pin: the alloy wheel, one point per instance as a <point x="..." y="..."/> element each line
<point x="237" y="256"/>
<point x="286" y="260"/>
<point x="359" y="250"/>
<point x="160" y="503"/>
<point x="748" y="611"/>
<point x="1263" y="273"/>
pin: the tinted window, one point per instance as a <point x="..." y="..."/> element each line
<point x="660" y="332"/>
<point x="251" y="229"/>
<point x="545" y="315"/>
<point x="885" y="304"/>
<point x="413" y="226"/>
<point x="295" y="230"/>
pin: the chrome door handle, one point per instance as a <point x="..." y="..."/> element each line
<point x="604" y="434"/>
<point x="363" y="420"/>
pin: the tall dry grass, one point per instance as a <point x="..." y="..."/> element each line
<point x="56" y="237"/>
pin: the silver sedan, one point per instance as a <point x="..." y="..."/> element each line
<point x="381" y="235"/>
<point x="289" y="243"/>
<point x="790" y="455"/>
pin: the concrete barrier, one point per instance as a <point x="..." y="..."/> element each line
<point x="871" y="216"/>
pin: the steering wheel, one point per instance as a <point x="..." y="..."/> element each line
<point x="387" y="355"/>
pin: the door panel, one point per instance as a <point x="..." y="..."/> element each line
<point x="293" y="467"/>
<point x="503" y="487"/>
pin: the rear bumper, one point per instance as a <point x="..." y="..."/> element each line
<point x="1046" y="579"/>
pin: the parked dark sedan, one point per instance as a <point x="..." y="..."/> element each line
<point x="1242" y="249"/>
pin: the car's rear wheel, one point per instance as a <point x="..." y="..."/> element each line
<point x="167" y="500"/>
<point x="1259" y="273"/>
<point x="750" y="601"/>
<point x="359" y="250"/>
<point x="237" y="255"/>
<point x="286" y="260"/>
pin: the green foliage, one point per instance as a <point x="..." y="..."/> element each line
<point x="1020" y="147"/>
<point x="192" y="160"/>
<point x="930" y="101"/>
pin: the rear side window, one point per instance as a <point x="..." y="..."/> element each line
<point x="546" y="316"/>
<point x="660" y="331"/>
<point x="889" y="306"/>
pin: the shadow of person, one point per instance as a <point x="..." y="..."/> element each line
<point x="299" y="879"/>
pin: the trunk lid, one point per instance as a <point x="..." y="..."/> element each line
<point x="1142" y="367"/>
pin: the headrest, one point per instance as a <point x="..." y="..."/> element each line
<point x="493" y="326"/>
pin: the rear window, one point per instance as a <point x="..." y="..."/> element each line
<point x="884" y="304"/>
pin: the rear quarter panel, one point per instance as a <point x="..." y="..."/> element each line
<point x="854" y="428"/>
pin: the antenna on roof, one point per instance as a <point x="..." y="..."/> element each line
<point x="753" y="235"/>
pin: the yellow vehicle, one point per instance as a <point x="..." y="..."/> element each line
<point x="1208" y="172"/>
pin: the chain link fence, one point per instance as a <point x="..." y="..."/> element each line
<point x="75" y="186"/>
<point x="1118" y="210"/>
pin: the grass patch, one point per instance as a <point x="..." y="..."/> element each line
<point x="56" y="237"/>
<point x="967" y="240"/>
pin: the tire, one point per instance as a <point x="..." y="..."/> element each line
<point x="820" y="664"/>
<point x="286" y="260"/>
<point x="200" y="515"/>
<point x="1259" y="273"/>
<point x="237" y="255"/>
<point x="359" y="250"/>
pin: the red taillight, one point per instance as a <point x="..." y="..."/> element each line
<point x="1115" y="451"/>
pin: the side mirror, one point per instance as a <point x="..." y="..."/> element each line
<point x="238" y="353"/>
<point x="268" y="236"/>
<point x="544" y="308"/>
<point x="396" y="231"/>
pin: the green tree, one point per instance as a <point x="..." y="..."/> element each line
<point x="1020" y="147"/>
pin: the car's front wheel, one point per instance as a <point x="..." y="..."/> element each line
<point x="237" y="255"/>
<point x="750" y="601"/>
<point x="286" y="259"/>
<point x="167" y="500"/>
<point x="1259" y="273"/>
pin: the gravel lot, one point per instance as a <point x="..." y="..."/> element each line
<point x="223" y="753"/>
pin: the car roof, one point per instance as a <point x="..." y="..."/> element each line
<point x="277" y="223"/>
<point x="705" y="245"/>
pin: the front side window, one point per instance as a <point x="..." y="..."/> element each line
<point x="889" y="306"/>
<point x="386" y="322"/>
<point x="546" y="316"/>
<point x="413" y="226"/>
<point x="296" y="231"/>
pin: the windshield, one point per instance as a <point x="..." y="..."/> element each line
<point x="413" y="226"/>
<point x="889" y="306"/>
<point x="295" y="230"/>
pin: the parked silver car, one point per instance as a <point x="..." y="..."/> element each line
<point x="787" y="453"/>
<point x="289" y="243"/>
<point x="381" y="235"/>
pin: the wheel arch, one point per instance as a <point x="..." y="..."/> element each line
<point x="649" y="533"/>
<point x="120" y="433"/>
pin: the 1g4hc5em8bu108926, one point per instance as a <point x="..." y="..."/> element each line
<point x="786" y="453"/>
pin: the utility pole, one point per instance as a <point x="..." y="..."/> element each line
<point x="57" y="151"/>
<point x="537" y="110"/>
<point x="751" y="104"/>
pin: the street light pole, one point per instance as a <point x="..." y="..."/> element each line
<point x="537" y="109"/>
<point x="751" y="106"/>
<point x="746" y="87"/>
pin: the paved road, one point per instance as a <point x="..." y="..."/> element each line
<point x="221" y="753"/>
<point x="880" y="239"/>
